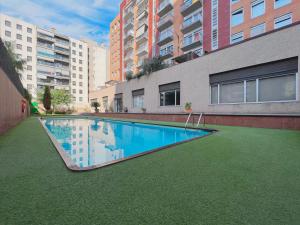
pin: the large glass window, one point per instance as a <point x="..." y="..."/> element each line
<point x="237" y="17"/>
<point x="214" y="94"/>
<point x="169" y="98"/>
<point x="285" y="87"/>
<point x="257" y="8"/>
<point x="232" y="93"/>
<point x="280" y="3"/>
<point x="105" y="102"/>
<point x="251" y="91"/>
<point x="138" y="101"/>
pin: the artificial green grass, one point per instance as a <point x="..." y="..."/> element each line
<point x="235" y="176"/>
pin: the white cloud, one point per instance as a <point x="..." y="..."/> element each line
<point x="77" y="18"/>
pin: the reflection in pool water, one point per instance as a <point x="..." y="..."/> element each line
<point x="92" y="142"/>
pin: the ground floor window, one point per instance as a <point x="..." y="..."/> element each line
<point x="118" y="103"/>
<point x="138" y="98"/>
<point x="268" y="89"/>
<point x="169" y="94"/>
<point x="105" y="102"/>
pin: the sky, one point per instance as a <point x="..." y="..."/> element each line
<point x="76" y="18"/>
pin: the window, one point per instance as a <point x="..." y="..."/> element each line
<point x="29" y="77"/>
<point x="74" y="83"/>
<point x="80" y="76"/>
<point x="232" y="93"/>
<point x="285" y="87"/>
<point x="169" y="94"/>
<point x="257" y="8"/>
<point x="19" y="27"/>
<point x="7" y="33"/>
<point x="19" y="36"/>
<point x="237" y="17"/>
<point x="19" y="46"/>
<point x="29" y="58"/>
<point x="74" y="91"/>
<point x="80" y="53"/>
<point x="235" y="38"/>
<point x="257" y="30"/>
<point x="80" y="46"/>
<point x="283" y="21"/>
<point x="214" y="25"/>
<point x="29" y="67"/>
<point x="280" y="3"/>
<point x="138" y="98"/>
<point x="29" y="30"/>
<point x="80" y="84"/>
<point x="29" y="39"/>
<point x="105" y="102"/>
<point x="118" y="102"/>
<point x="73" y="52"/>
<point x="73" y="60"/>
<point x="80" y="99"/>
<point x="74" y="75"/>
<point x="7" y="23"/>
<point x="29" y="87"/>
<point x="74" y="67"/>
<point x="251" y="91"/>
<point x="80" y="68"/>
<point x="80" y="61"/>
<point x="29" y="49"/>
<point x="214" y="94"/>
<point x="80" y="91"/>
<point x="73" y="44"/>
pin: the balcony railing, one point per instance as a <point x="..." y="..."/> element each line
<point x="44" y="45"/>
<point x="189" y="6"/>
<point x="128" y="35"/>
<point x="165" y="37"/>
<point x="62" y="42"/>
<point x="166" y="52"/>
<point x="128" y="45"/>
<point x="56" y="48"/>
<point x="142" y="38"/>
<point x="165" y="21"/>
<point x="192" y="41"/>
<point x="143" y="49"/>
<point x="128" y="25"/>
<point x="164" y="7"/>
<point x="191" y="23"/>
<point x="45" y="54"/>
<point x="45" y="37"/>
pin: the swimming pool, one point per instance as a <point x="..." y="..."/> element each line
<point x="88" y="143"/>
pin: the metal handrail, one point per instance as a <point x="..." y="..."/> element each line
<point x="187" y="120"/>
<point x="199" y="119"/>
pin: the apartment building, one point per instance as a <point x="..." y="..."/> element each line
<point x="52" y="59"/>
<point x="98" y="63"/>
<point x="114" y="37"/>
<point x="252" y="18"/>
<point x="137" y="34"/>
<point x="22" y="35"/>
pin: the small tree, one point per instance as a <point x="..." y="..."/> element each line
<point x="47" y="99"/>
<point x="152" y="65"/>
<point x="95" y="105"/>
<point x="60" y="97"/>
<point x="17" y="63"/>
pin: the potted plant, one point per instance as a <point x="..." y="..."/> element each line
<point x="188" y="107"/>
<point x="143" y="110"/>
<point x="95" y="105"/>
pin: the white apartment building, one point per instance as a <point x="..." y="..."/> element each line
<point x="98" y="58"/>
<point x="79" y="72"/>
<point x="22" y="35"/>
<point x="52" y="59"/>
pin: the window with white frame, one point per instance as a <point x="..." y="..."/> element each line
<point x="138" y="98"/>
<point x="270" y="82"/>
<point x="237" y="17"/>
<point x="257" y="30"/>
<point x="283" y="21"/>
<point x="280" y="3"/>
<point x="258" y="8"/>
<point x="169" y="94"/>
<point x="235" y="38"/>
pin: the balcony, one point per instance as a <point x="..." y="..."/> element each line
<point x="165" y="37"/>
<point x="61" y="50"/>
<point x="142" y="50"/>
<point x="165" y="22"/>
<point x="140" y="63"/>
<point x="164" y="7"/>
<point x="190" y="6"/>
<point x="140" y="39"/>
<point x="45" y="45"/>
<point x="192" y="41"/>
<point x="128" y="12"/>
<point x="143" y="22"/>
<point x="128" y="57"/>
<point x="128" y="36"/>
<point x="45" y="37"/>
<point x="166" y="52"/>
<point x="191" y="24"/>
<point x="128" y="46"/>
<point x="45" y="55"/>
<point x="128" y="25"/>
<point x="61" y="58"/>
<point x="62" y="43"/>
<point x="142" y="8"/>
<point x="143" y="15"/>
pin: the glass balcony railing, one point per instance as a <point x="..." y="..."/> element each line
<point x="44" y="45"/>
<point x="164" y="35"/>
<point x="45" y="54"/>
<point x="192" y="38"/>
<point x="61" y="49"/>
<point x="62" y="42"/>
<point x="45" y="63"/>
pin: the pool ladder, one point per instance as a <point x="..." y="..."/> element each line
<point x="198" y="122"/>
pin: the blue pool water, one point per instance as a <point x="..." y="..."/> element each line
<point x="92" y="142"/>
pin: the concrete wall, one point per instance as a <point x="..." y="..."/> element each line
<point x="194" y="77"/>
<point x="10" y="104"/>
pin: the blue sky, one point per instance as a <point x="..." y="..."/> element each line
<point x="77" y="18"/>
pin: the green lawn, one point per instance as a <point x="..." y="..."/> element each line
<point x="236" y="176"/>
